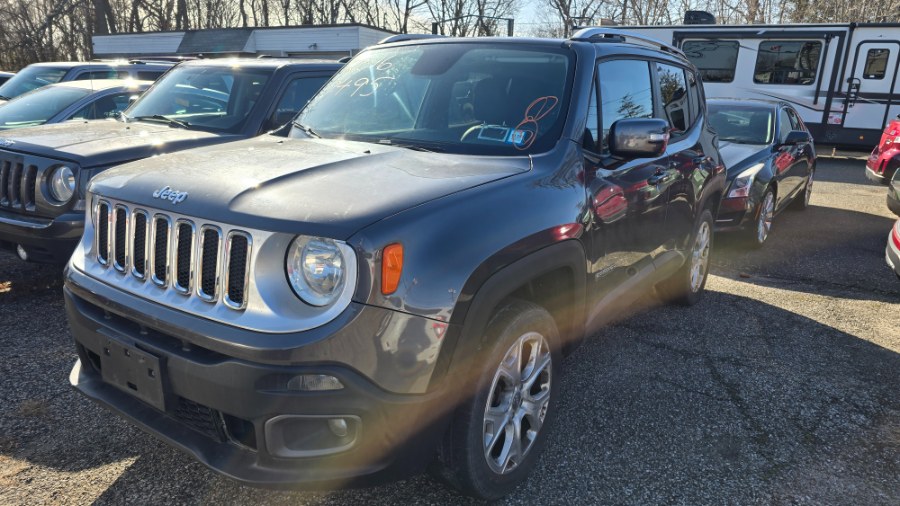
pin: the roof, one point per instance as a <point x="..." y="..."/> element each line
<point x="102" y="84"/>
<point x="6" y="74"/>
<point x="268" y="63"/>
<point x="745" y="101"/>
<point x="102" y="64"/>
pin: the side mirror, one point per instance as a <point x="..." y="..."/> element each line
<point x="639" y="137"/>
<point x="795" y="137"/>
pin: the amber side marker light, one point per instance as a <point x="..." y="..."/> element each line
<point x="391" y="268"/>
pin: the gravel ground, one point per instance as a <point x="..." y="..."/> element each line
<point x="780" y="387"/>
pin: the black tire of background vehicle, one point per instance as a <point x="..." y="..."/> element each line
<point x="462" y="462"/>
<point x="678" y="288"/>
<point x="751" y="235"/>
<point x="801" y="201"/>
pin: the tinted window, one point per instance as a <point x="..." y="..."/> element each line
<point x="38" y="106"/>
<point x="96" y="74"/>
<point x="876" y="63"/>
<point x="31" y="78"/>
<point x="297" y="94"/>
<point x="211" y="98"/>
<point x="625" y="92"/>
<point x="787" y="62"/>
<point x="105" y="107"/>
<point x="716" y="59"/>
<point x="784" y="125"/>
<point x="674" y="97"/>
<point x="796" y="123"/>
<point x="455" y="97"/>
<point x="694" y="96"/>
<point x="742" y="124"/>
<point x="148" y="76"/>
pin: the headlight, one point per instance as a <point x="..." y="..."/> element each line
<point x="740" y="187"/>
<point x="316" y="269"/>
<point x="62" y="184"/>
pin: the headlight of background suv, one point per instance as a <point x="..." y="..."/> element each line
<point x="740" y="187"/>
<point x="317" y="269"/>
<point x="62" y="184"/>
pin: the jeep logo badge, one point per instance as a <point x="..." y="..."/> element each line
<point x="6" y="143"/>
<point x="166" y="193"/>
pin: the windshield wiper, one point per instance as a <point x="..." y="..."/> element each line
<point x="308" y="130"/>
<point x="4" y="97"/>
<point x="413" y="147"/>
<point x="165" y="119"/>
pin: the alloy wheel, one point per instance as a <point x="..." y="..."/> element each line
<point x="766" y="215"/>
<point x="700" y="256"/>
<point x="517" y="403"/>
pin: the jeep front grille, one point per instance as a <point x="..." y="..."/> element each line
<point x="17" y="184"/>
<point x="176" y="255"/>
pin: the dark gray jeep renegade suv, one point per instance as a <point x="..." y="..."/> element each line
<point x="395" y="284"/>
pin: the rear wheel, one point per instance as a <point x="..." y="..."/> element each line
<point x="686" y="285"/>
<point x="497" y="435"/>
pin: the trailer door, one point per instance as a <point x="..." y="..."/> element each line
<point x="872" y="87"/>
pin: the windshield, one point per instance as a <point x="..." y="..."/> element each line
<point x="38" y="106"/>
<point x="31" y="78"/>
<point x="460" y="97"/>
<point x="742" y="124"/>
<point x="209" y="98"/>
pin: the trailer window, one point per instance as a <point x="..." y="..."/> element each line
<point x="716" y="59"/>
<point x="876" y="63"/>
<point x="787" y="62"/>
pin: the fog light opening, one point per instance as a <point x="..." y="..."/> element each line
<point x="21" y="252"/>
<point x="314" y="383"/>
<point x="338" y="427"/>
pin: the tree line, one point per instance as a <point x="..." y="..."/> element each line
<point x="46" y="30"/>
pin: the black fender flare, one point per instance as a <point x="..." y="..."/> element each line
<point x="474" y="314"/>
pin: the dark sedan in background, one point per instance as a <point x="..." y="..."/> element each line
<point x="770" y="158"/>
<point x="84" y="100"/>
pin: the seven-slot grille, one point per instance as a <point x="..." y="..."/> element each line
<point x="17" y="184"/>
<point x="179" y="254"/>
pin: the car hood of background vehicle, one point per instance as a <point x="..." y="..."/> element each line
<point x="103" y="143"/>
<point x="321" y="187"/>
<point x="738" y="157"/>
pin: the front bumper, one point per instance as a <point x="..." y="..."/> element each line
<point x="735" y="213"/>
<point x="49" y="240"/>
<point x="238" y="415"/>
<point x="873" y="176"/>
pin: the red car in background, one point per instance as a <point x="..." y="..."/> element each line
<point x="885" y="158"/>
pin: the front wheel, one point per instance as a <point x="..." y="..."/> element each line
<point x="686" y="286"/>
<point x="802" y="202"/>
<point x="498" y="433"/>
<point x="765" y="216"/>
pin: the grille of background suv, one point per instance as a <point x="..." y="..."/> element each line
<point x="179" y="254"/>
<point x="17" y="183"/>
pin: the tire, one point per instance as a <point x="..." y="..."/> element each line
<point x="801" y="202"/>
<point x="756" y="235"/>
<point x="477" y="457"/>
<point x="686" y="286"/>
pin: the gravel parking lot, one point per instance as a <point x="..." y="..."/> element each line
<point x="782" y="386"/>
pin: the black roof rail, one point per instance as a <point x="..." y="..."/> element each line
<point x="603" y="34"/>
<point x="408" y="36"/>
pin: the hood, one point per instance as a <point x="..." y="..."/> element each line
<point x="329" y="188"/>
<point x="738" y="157"/>
<point x="103" y="143"/>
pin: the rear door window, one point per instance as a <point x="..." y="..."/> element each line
<point x="108" y="106"/>
<point x="295" y="96"/>
<point x="674" y="97"/>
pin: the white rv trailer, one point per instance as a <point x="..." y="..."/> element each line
<point x="842" y="78"/>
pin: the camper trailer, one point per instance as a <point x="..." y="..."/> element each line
<point x="842" y="78"/>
